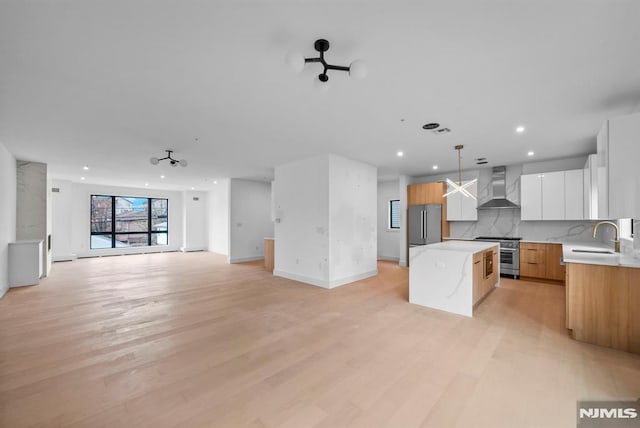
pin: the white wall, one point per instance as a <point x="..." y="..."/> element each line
<point x="218" y="217"/>
<point x="302" y="221"/>
<point x="353" y="229"/>
<point x="79" y="211"/>
<point x="31" y="206"/>
<point x="249" y="219"/>
<point x="388" y="239"/>
<point x="61" y="230"/>
<point x="194" y="217"/>
<point x="326" y="221"/>
<point x="8" y="186"/>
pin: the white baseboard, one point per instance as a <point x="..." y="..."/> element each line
<point x="191" y="249"/>
<point x="244" y="259"/>
<point x="349" y="279"/>
<point x="65" y="258"/>
<point x="324" y="283"/>
<point x="403" y="263"/>
<point x="301" y="278"/>
<point x="389" y="259"/>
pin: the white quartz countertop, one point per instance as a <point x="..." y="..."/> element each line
<point x="594" y="258"/>
<point x="458" y="246"/>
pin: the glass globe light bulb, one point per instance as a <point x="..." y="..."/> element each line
<point x="295" y="61"/>
<point x="154" y="161"/>
<point x="358" y="69"/>
<point x="320" y="85"/>
<point x="183" y="162"/>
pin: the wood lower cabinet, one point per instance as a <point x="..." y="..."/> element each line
<point x="554" y="270"/>
<point x="269" y="257"/>
<point x="477" y="277"/>
<point x="602" y="305"/>
<point x="483" y="284"/>
<point x="541" y="261"/>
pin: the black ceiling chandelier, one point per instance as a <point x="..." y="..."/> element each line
<point x="297" y="61"/>
<point x="172" y="161"/>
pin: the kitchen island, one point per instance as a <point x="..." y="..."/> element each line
<point x="453" y="276"/>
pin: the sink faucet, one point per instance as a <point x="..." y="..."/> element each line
<point x="615" y="226"/>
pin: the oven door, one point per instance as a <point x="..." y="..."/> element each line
<point x="510" y="261"/>
<point x="488" y="263"/>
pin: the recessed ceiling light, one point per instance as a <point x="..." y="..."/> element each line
<point x="81" y="178"/>
<point x="193" y="188"/>
<point x="162" y="176"/>
<point x="435" y="167"/>
<point x="215" y="181"/>
<point x="400" y="153"/>
<point x="146" y="184"/>
<point x="86" y="168"/>
<point x="520" y="129"/>
<point x="530" y="153"/>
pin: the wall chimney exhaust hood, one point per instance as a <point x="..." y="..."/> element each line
<point x="499" y="185"/>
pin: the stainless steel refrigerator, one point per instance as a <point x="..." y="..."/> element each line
<point x="425" y="224"/>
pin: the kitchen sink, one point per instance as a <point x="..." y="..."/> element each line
<point x="593" y="251"/>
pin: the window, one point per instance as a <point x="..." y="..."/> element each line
<point x="119" y="221"/>
<point x="394" y="214"/>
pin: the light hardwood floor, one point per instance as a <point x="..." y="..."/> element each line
<point x="184" y="339"/>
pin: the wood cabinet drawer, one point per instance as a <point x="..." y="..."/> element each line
<point x="541" y="260"/>
<point x="532" y="255"/>
<point x="533" y="270"/>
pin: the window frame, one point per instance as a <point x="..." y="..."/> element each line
<point x="390" y="205"/>
<point x="150" y="232"/>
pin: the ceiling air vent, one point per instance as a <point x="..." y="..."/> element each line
<point x="441" y="131"/>
<point x="55" y="189"/>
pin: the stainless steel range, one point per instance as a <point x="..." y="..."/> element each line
<point x="509" y="254"/>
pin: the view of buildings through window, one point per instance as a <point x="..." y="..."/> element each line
<point x="119" y="221"/>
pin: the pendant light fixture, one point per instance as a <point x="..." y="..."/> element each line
<point x="296" y="62"/>
<point x="172" y="161"/>
<point x="459" y="187"/>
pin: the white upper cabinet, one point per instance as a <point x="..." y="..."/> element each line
<point x="531" y="197"/>
<point x="552" y="196"/>
<point x="602" y="173"/>
<point x="590" y="188"/>
<point x="623" y="157"/>
<point x="463" y="208"/>
<point x="574" y="194"/>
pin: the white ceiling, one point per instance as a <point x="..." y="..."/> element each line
<point x="111" y="83"/>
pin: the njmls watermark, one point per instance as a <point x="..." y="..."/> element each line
<point x="605" y="414"/>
